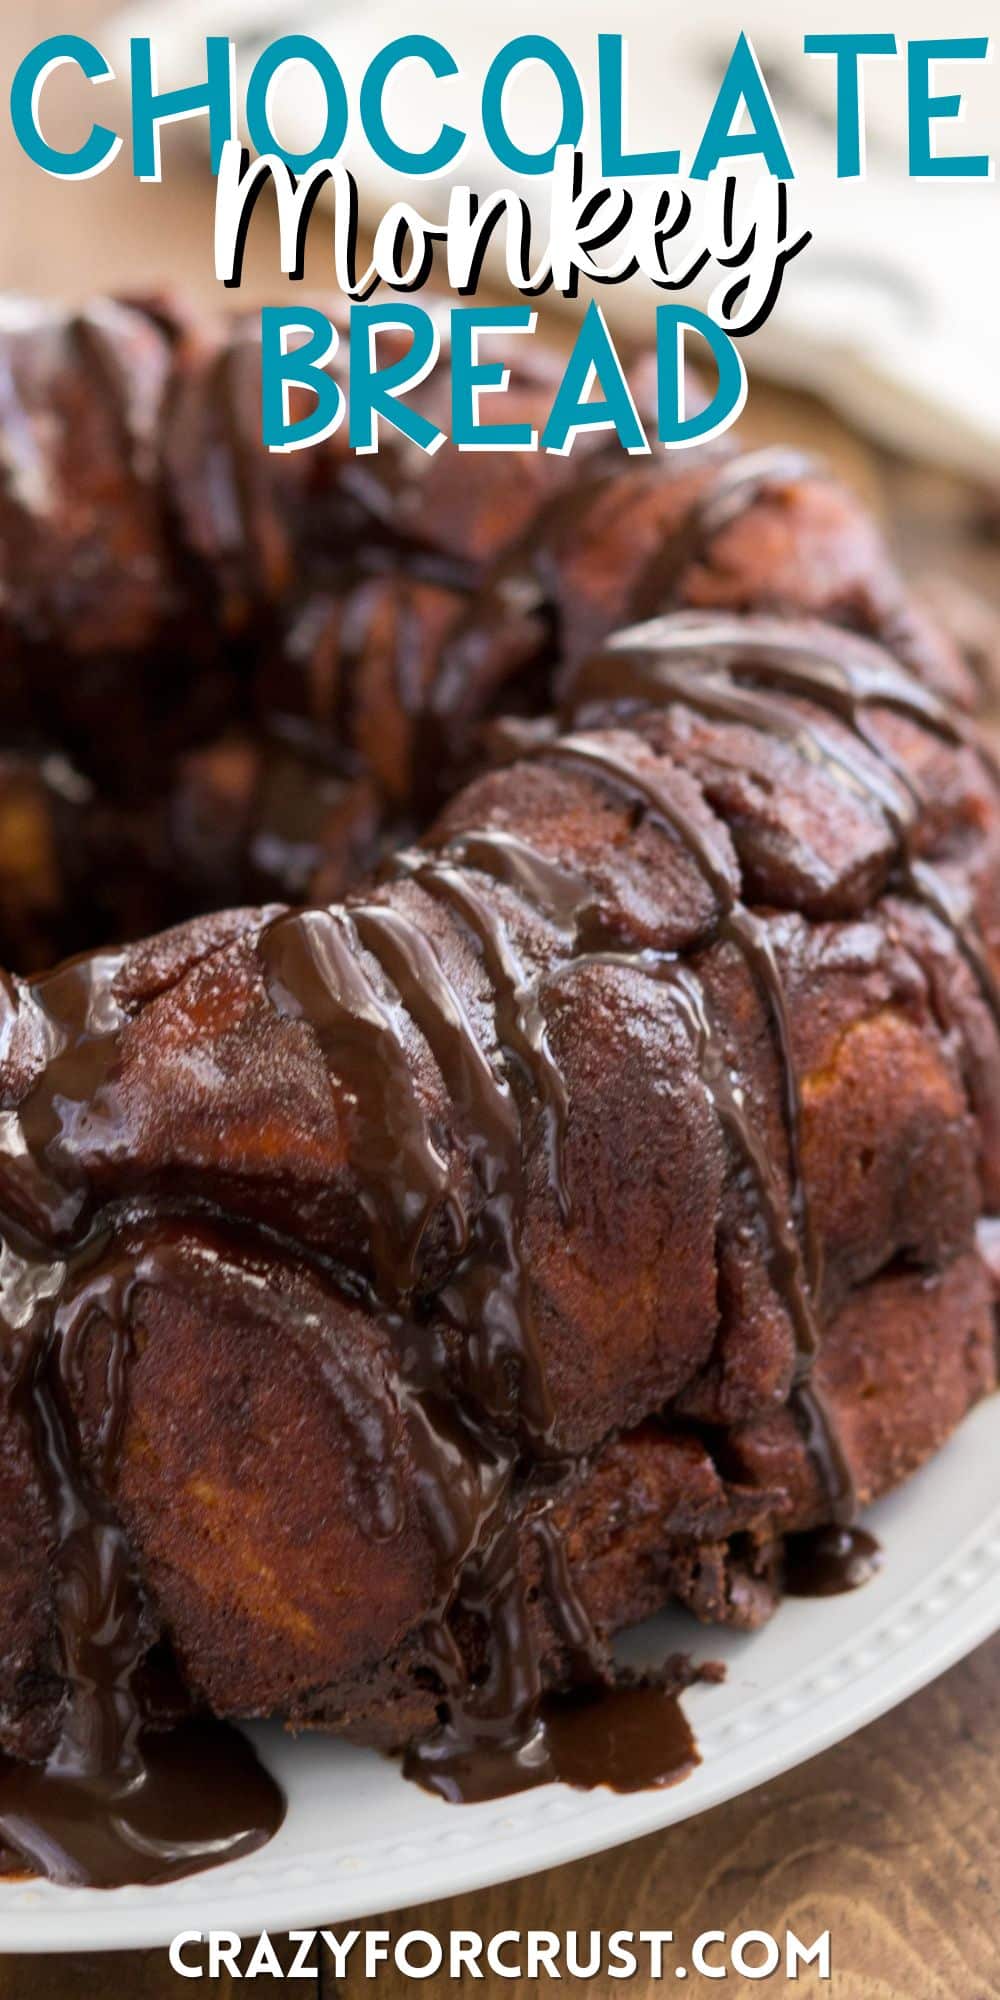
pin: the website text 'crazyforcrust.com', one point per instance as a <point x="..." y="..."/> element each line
<point x="508" y="1954"/>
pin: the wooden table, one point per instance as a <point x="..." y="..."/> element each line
<point x="892" y="1839"/>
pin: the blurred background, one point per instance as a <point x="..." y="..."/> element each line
<point x="882" y="354"/>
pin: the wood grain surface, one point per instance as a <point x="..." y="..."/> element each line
<point x="892" y="1839"/>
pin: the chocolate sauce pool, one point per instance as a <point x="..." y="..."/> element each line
<point x="180" y="1800"/>
<point x="625" y="1738"/>
<point x="116" y="1800"/>
<point x="830" y="1561"/>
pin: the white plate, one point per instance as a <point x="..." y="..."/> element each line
<point x="358" y="1839"/>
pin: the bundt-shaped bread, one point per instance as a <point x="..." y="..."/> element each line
<point x="403" y="1293"/>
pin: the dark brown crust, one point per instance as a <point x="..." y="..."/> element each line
<point x="239" y="1474"/>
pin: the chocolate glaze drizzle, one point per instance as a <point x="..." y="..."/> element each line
<point x="524" y="587"/>
<point x="494" y="1734"/>
<point x="172" y="1801"/>
<point x="127" y="1794"/>
<point x="728" y="668"/>
<point x="470" y="1449"/>
<point x="830" y="1561"/>
<point x="494" y="1726"/>
<point x="666" y="661"/>
<point x="119" y="1800"/>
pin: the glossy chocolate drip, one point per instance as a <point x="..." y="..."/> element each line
<point x="700" y="661"/>
<point x="625" y="1738"/>
<point x="550" y="886"/>
<point x="569" y="902"/>
<point x="365" y="982"/>
<point x="116" y="1801"/>
<point x="497" y="1726"/>
<point x="520" y="1023"/>
<point x="783" y="1251"/>
<point x="523" y="1756"/>
<point x="525" y="586"/>
<point x="703" y="662"/>
<point x="488" y="1298"/>
<point x="76" y="1017"/>
<point x="315" y="975"/>
<point x="797" y="656"/>
<point x="744" y="479"/>
<point x="665" y="659"/>
<point x="587" y="1658"/>
<point x="485" y="1296"/>
<point x="830" y="1561"/>
<point x="189" y="1797"/>
<point x="849" y="678"/>
<point x="467" y="1451"/>
<point x="823" y="1442"/>
<point x="493" y="1736"/>
<point x="629" y="677"/>
<point x="736" y="925"/>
